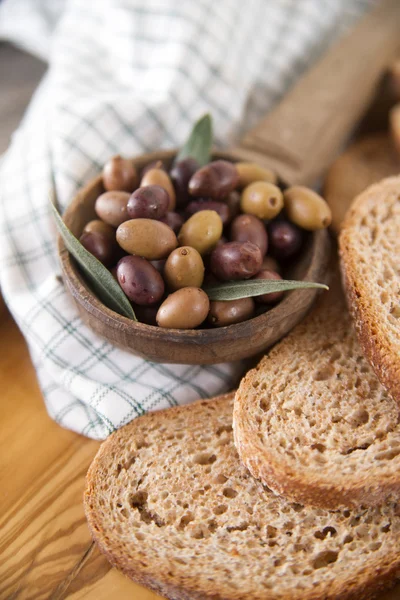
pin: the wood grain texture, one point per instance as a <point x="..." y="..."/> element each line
<point x="201" y="346"/>
<point x="303" y="134"/>
<point x="45" y="547"/>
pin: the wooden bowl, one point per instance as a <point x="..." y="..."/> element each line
<point x="199" y="346"/>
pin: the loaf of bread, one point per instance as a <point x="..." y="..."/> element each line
<point x="312" y="420"/>
<point x="364" y="162"/>
<point x="170" y="504"/>
<point x="370" y="260"/>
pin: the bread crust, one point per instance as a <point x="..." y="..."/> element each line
<point x="364" y="585"/>
<point x="367" y="316"/>
<point x="366" y="161"/>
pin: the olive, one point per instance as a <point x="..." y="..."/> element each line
<point x="224" y="313"/>
<point x="201" y="231"/>
<point x="233" y="203"/>
<point x="139" y="280"/>
<point x="262" y="199"/>
<point x="148" y="238"/>
<point x="119" y="174"/>
<point x="270" y="264"/>
<point x="146" y="314"/>
<point x="159" y="264"/>
<point x="204" y="204"/>
<point x="173" y="220"/>
<point x="285" y="239"/>
<point x="217" y="180"/>
<point x="250" y="172"/>
<point x="306" y="208"/>
<point x="184" y="268"/>
<point x="98" y="226"/>
<point x="273" y="297"/>
<point x="100" y="245"/>
<point x="248" y="228"/>
<point x="150" y="202"/>
<point x="111" y="207"/>
<point x="154" y="164"/>
<point x="161" y="178"/>
<point x="181" y="174"/>
<point x="236" y="260"/>
<point x="184" y="309"/>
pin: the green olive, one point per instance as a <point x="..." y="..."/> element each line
<point x="230" y="312"/>
<point x="147" y="238"/>
<point x="251" y="172"/>
<point x="184" y="268"/>
<point x="185" y="309"/>
<point x="262" y="199"/>
<point x="161" y="178"/>
<point x="98" y="226"/>
<point x="202" y="231"/>
<point x="306" y="208"/>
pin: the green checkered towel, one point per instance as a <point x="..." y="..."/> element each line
<point x="127" y="76"/>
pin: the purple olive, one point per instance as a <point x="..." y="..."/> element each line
<point x="173" y="220"/>
<point x="233" y="203"/>
<point x="100" y="245"/>
<point x="247" y="228"/>
<point x="180" y="174"/>
<point x="273" y="297"/>
<point x="146" y="314"/>
<point x="149" y="202"/>
<point x="140" y="281"/>
<point x="205" y="204"/>
<point x="236" y="260"/>
<point x="285" y="239"/>
<point x="159" y="264"/>
<point x="217" y="180"/>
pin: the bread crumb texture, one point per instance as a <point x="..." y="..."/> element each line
<point x="314" y="423"/>
<point x="370" y="259"/>
<point x="170" y="504"/>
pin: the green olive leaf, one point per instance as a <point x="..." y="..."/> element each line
<point x="235" y="290"/>
<point x="199" y="142"/>
<point x="100" y="279"/>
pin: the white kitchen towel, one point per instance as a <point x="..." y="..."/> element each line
<point x="127" y="76"/>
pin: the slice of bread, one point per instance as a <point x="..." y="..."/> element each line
<point x="169" y="503"/>
<point x="370" y="260"/>
<point x="364" y="162"/>
<point x="312" y="421"/>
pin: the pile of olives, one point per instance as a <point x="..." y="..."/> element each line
<point x="168" y="234"/>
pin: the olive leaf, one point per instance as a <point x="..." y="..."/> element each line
<point x="199" y="142"/>
<point x="100" y="279"/>
<point x="235" y="290"/>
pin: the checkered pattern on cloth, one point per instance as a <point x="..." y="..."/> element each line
<point x="127" y="76"/>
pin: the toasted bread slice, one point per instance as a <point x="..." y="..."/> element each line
<point x="370" y="260"/>
<point x="364" y="162"/>
<point x="170" y="504"/>
<point x="312" y="420"/>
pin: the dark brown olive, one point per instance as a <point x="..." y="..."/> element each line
<point x="173" y="220"/>
<point x="236" y="260"/>
<point x="217" y="180"/>
<point x="158" y="264"/>
<point x="270" y="264"/>
<point x="230" y="312"/>
<point x="154" y="164"/>
<point x="119" y="174"/>
<point x="150" y="202"/>
<point x="204" y="204"/>
<point x="233" y="203"/>
<point x="272" y="298"/>
<point x="100" y="245"/>
<point x="180" y="174"/>
<point x="285" y="239"/>
<point x="99" y="226"/>
<point x="140" y="281"/>
<point x="146" y="314"/>
<point x="111" y="207"/>
<point x="247" y="228"/>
